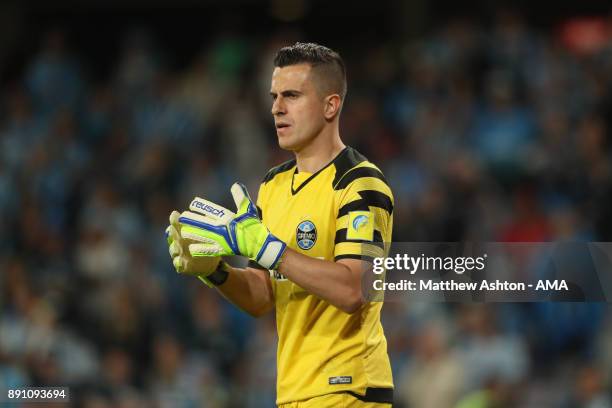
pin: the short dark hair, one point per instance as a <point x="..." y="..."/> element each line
<point x="325" y="61"/>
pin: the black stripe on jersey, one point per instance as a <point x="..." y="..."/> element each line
<point x="354" y="256"/>
<point x="346" y="162"/>
<point x="377" y="241"/>
<point x="381" y="395"/>
<point x="286" y="166"/>
<point x="259" y="212"/>
<point x="359" y="172"/>
<point x="369" y="198"/>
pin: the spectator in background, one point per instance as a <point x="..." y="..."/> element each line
<point x="434" y="376"/>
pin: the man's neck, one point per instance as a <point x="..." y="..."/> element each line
<point x="319" y="153"/>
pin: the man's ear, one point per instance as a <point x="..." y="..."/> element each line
<point x="332" y="106"/>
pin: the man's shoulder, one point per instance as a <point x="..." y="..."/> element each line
<point x="352" y="165"/>
<point x="281" y="168"/>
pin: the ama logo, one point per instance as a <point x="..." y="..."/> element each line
<point x="306" y="235"/>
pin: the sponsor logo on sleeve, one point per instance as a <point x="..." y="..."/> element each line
<point x="360" y="226"/>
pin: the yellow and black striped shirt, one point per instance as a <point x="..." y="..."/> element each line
<point x="345" y="210"/>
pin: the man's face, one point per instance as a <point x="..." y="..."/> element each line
<point x="297" y="106"/>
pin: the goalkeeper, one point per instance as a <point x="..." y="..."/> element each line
<point x="317" y="218"/>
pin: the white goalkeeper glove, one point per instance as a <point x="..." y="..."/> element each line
<point x="220" y="232"/>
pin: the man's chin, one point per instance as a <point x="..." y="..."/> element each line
<point x="286" y="144"/>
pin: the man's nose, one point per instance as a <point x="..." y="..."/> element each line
<point x="278" y="107"/>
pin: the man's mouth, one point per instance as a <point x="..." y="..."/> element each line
<point x="282" y="125"/>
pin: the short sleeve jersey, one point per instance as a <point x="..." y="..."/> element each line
<point x="345" y="210"/>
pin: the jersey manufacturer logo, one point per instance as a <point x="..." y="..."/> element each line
<point x="306" y="235"/>
<point x="342" y="379"/>
<point x="360" y="226"/>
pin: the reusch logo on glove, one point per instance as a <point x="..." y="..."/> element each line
<point x="217" y="212"/>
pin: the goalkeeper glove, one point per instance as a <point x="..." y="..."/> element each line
<point x="220" y="232"/>
<point x="183" y="262"/>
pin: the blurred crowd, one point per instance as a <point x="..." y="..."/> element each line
<point x="493" y="132"/>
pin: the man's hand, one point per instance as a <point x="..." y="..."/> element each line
<point x="180" y="253"/>
<point x="220" y="232"/>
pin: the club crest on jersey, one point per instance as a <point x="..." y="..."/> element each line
<point x="306" y="235"/>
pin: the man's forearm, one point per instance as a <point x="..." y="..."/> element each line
<point x="339" y="283"/>
<point x="249" y="289"/>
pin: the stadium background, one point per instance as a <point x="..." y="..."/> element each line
<point x="490" y="123"/>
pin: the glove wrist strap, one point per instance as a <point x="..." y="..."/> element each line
<point x="218" y="277"/>
<point x="271" y="252"/>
